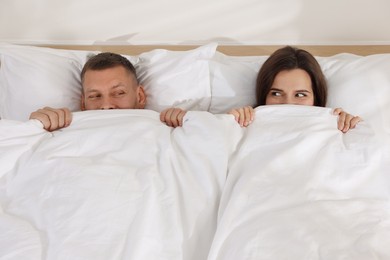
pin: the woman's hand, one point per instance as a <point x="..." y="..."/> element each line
<point x="346" y="121"/>
<point x="244" y="115"/>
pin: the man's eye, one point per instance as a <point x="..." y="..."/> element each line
<point x="93" y="96"/>
<point x="119" y="93"/>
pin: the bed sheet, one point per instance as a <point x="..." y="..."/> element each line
<point x="298" y="188"/>
<point x="114" y="185"/>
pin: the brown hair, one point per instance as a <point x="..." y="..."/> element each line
<point x="106" y="60"/>
<point x="288" y="58"/>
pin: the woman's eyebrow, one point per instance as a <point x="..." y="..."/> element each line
<point x="277" y="89"/>
<point x="281" y="90"/>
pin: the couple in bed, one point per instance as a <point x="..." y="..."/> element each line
<point x="289" y="76"/>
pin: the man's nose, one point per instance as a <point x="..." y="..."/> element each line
<point x="107" y="104"/>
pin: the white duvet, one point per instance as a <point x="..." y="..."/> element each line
<point x="121" y="185"/>
<point x="298" y="188"/>
<point x="114" y="185"/>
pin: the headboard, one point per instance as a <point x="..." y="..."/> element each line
<point x="235" y="50"/>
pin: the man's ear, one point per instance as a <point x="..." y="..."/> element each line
<point x="141" y="97"/>
<point x="82" y="102"/>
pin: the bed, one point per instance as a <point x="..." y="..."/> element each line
<point x="120" y="184"/>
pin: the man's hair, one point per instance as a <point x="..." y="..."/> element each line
<point x="106" y="60"/>
<point x="289" y="58"/>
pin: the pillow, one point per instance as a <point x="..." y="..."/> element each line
<point x="358" y="84"/>
<point x="35" y="77"/>
<point x="176" y="78"/>
<point x="361" y="86"/>
<point x="233" y="81"/>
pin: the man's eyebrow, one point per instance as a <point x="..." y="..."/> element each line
<point x="91" y="90"/>
<point x="113" y="87"/>
<point x="118" y="85"/>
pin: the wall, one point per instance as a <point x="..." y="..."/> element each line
<point x="195" y="21"/>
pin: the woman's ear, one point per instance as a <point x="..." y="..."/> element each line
<point x="141" y="97"/>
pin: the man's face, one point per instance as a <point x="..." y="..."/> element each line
<point x="112" y="88"/>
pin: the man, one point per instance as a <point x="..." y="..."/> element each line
<point x="109" y="81"/>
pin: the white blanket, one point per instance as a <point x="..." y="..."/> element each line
<point x="121" y="185"/>
<point x="298" y="188"/>
<point x="114" y="185"/>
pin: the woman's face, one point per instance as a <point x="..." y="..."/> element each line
<point x="291" y="87"/>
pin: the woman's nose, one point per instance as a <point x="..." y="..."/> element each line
<point x="291" y="100"/>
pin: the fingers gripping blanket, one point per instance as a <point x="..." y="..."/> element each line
<point x="113" y="185"/>
<point x="298" y="188"/>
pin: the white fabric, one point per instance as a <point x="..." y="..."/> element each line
<point x="361" y="86"/>
<point x="177" y="78"/>
<point x="120" y="184"/>
<point x="199" y="79"/>
<point x="113" y="185"/>
<point x="358" y="84"/>
<point x="34" y="77"/>
<point x="233" y="81"/>
<point x="298" y="188"/>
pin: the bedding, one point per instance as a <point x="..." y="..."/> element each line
<point x="114" y="185"/>
<point x="201" y="79"/>
<point x="177" y="78"/>
<point x="297" y="188"/>
<point x="35" y="77"/>
<point x="120" y="184"/>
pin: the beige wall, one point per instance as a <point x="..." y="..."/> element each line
<point x="195" y="21"/>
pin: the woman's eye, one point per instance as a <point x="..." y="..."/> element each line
<point x="301" y="95"/>
<point x="275" y="94"/>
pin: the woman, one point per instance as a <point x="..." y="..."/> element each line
<point x="292" y="76"/>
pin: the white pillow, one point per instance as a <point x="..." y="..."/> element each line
<point x="233" y="81"/>
<point x="361" y="86"/>
<point x="177" y="78"/>
<point x="358" y="84"/>
<point x="35" y="77"/>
